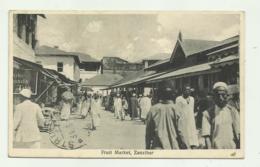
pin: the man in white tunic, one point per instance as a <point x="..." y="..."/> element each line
<point x="118" y="106"/>
<point x="145" y="105"/>
<point x="222" y="124"/>
<point x="185" y="108"/>
<point x="27" y="117"/>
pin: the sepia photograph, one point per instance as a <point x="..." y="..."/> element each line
<point x="126" y="84"/>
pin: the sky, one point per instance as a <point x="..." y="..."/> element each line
<point x="132" y="36"/>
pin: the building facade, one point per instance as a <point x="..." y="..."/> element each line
<point x="63" y="62"/>
<point x="197" y="63"/>
<point x="24" y="36"/>
<point x="116" y="65"/>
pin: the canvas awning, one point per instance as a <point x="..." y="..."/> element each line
<point x="185" y="72"/>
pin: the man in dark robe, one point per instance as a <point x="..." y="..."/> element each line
<point x="133" y="106"/>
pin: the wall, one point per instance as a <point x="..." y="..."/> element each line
<point x="22" y="49"/>
<point x="50" y="62"/>
<point x="97" y="89"/>
<point x="76" y="72"/>
<point x="88" y="74"/>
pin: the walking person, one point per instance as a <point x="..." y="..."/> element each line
<point x="27" y="118"/>
<point x="86" y="102"/>
<point x="202" y="108"/>
<point x="223" y="122"/>
<point x="185" y="108"/>
<point x="133" y="104"/>
<point x="162" y="130"/>
<point x="118" y="106"/>
<point x="67" y="101"/>
<point x="145" y="105"/>
<point x="95" y="112"/>
<point x="125" y="107"/>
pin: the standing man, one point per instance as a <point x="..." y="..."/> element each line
<point x="118" y="106"/>
<point x="27" y="118"/>
<point x="162" y="124"/>
<point x="134" y="106"/>
<point x="185" y="108"/>
<point x="223" y="121"/>
<point x="145" y="105"/>
<point x="67" y="99"/>
<point x="95" y="111"/>
<point x="86" y="103"/>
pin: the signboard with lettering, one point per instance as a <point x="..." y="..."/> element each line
<point x="25" y="78"/>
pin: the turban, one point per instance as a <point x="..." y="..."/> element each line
<point x="26" y="93"/>
<point x="220" y="84"/>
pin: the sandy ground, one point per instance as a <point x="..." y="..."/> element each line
<point x="111" y="134"/>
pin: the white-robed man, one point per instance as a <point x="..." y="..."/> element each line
<point x="27" y="118"/>
<point x="221" y="124"/>
<point x="118" y="106"/>
<point x="185" y="108"/>
<point x="145" y="105"/>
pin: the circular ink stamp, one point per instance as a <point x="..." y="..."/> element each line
<point x="64" y="135"/>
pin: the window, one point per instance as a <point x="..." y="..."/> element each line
<point x="26" y="28"/>
<point x="60" y="66"/>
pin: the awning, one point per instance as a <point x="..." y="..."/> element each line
<point x="61" y="77"/>
<point x="185" y="72"/>
<point x="34" y="66"/>
<point x="52" y="74"/>
<point x="26" y="63"/>
<point x="138" y="80"/>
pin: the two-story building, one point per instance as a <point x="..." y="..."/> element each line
<point x="43" y="83"/>
<point x="116" y="65"/>
<point x="74" y="65"/>
<point x="66" y="63"/>
<point x="89" y="66"/>
<point x="24" y="41"/>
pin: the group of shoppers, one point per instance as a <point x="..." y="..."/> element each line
<point x="172" y="125"/>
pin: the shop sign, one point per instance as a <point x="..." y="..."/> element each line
<point x="25" y="78"/>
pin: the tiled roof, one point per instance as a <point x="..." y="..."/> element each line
<point x="47" y="50"/>
<point x="85" y="57"/>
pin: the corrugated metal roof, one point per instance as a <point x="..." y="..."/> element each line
<point x="187" y="70"/>
<point x="103" y="80"/>
<point x="191" y="46"/>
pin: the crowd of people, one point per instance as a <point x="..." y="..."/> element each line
<point x="136" y="108"/>
<point x="182" y="122"/>
<point x="173" y="124"/>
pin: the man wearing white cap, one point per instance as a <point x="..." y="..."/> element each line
<point x="221" y="123"/>
<point x="27" y="118"/>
